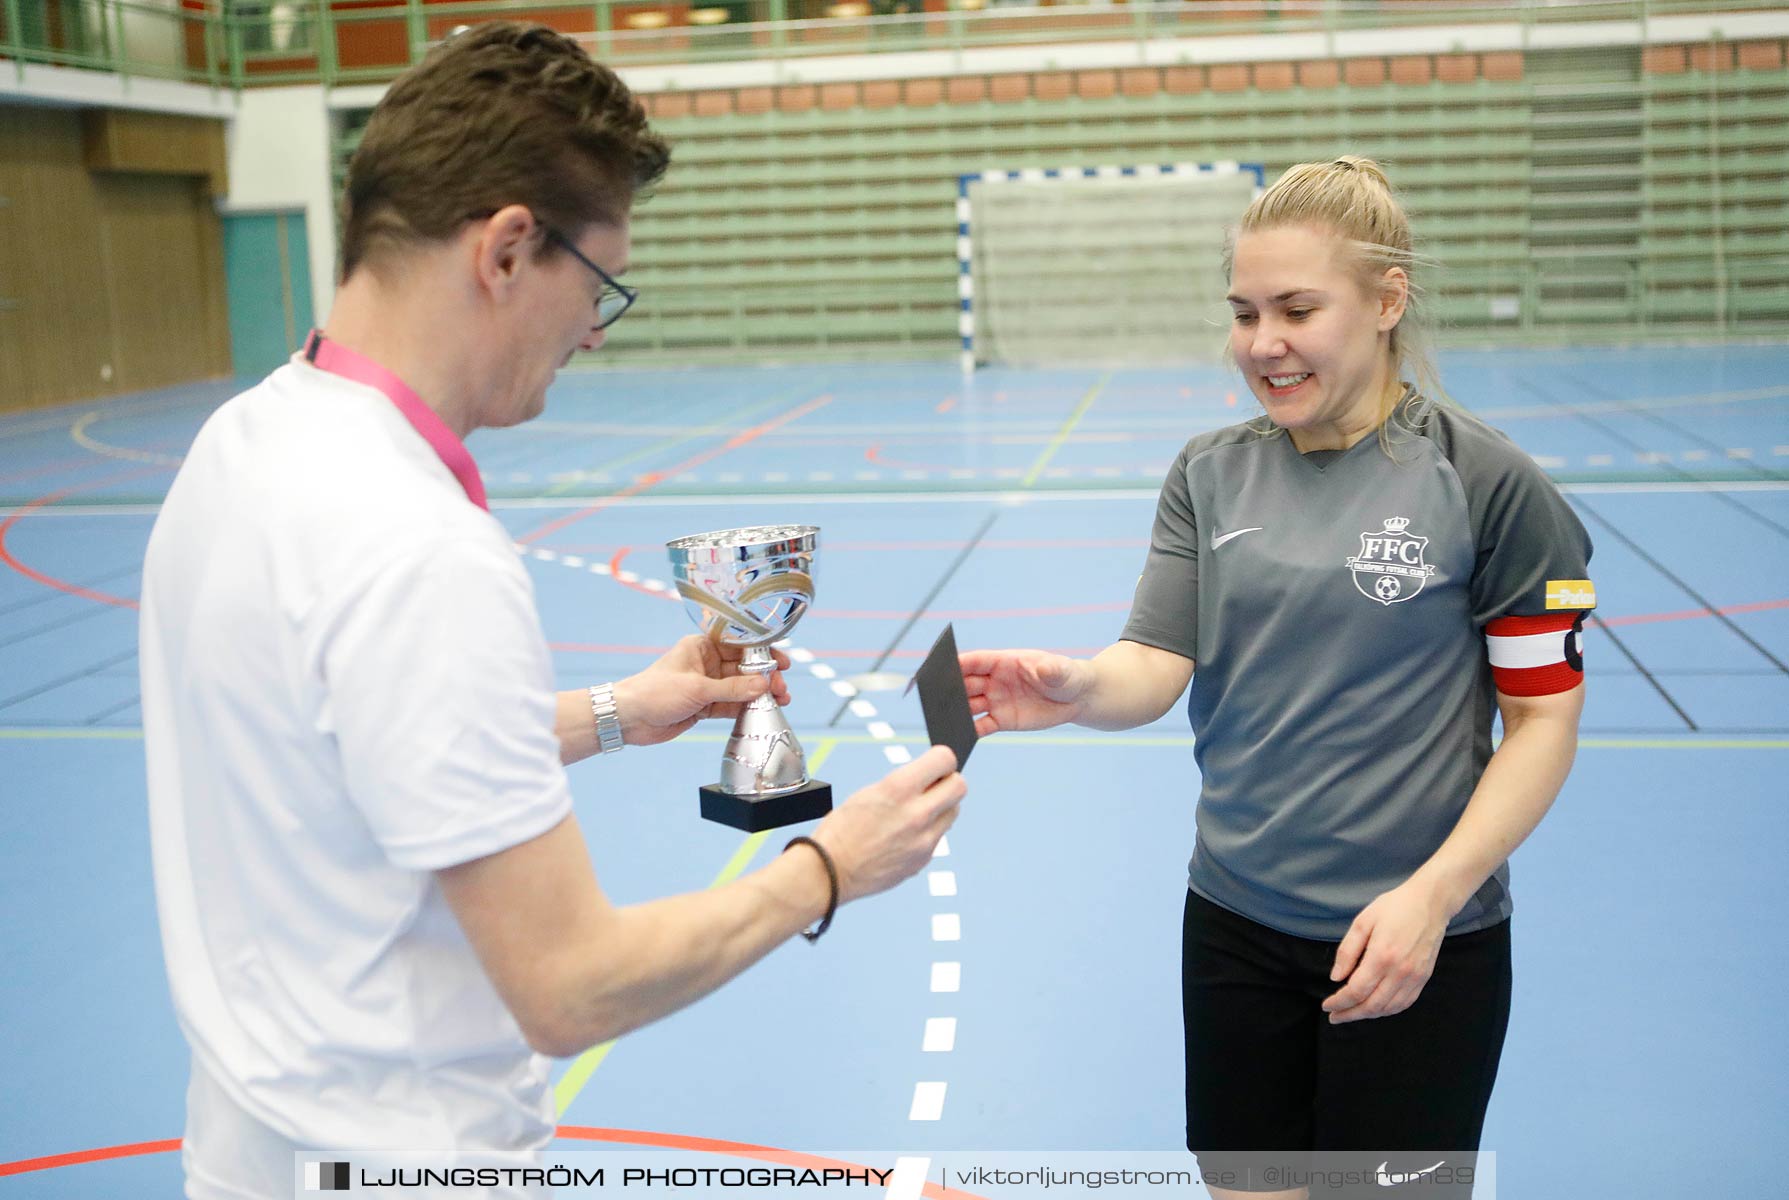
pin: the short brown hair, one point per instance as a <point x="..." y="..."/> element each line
<point x="500" y="114"/>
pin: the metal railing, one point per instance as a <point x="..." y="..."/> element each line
<point x="236" y="44"/>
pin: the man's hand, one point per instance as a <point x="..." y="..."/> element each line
<point x="695" y="680"/>
<point x="887" y="831"/>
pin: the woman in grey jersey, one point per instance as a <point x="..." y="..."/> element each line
<point x="1364" y="579"/>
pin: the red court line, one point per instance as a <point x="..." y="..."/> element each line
<point x="76" y="1157"/>
<point x="1727" y="610"/>
<point x="577" y="1133"/>
<point x="653" y="478"/>
<point x="62" y="585"/>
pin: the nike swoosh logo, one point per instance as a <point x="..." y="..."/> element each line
<point x="1384" y="1180"/>
<point x="1217" y="540"/>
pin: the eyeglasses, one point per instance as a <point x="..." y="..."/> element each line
<point x="616" y="296"/>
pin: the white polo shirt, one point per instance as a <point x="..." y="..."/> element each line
<point x="345" y="688"/>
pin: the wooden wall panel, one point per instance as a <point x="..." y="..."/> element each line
<point x="114" y="279"/>
<point x="164" y="284"/>
<point x="55" y="343"/>
<point x="158" y="143"/>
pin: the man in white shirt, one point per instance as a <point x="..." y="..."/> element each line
<point x="376" y="905"/>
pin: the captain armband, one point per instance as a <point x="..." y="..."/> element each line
<point x="1536" y="656"/>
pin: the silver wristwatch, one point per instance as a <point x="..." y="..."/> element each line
<point x="608" y="721"/>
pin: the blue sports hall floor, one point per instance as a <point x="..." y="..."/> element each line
<point x="1022" y="994"/>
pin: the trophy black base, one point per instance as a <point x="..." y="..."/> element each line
<point x="756" y="814"/>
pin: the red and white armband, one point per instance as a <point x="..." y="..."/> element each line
<point x="1536" y="656"/>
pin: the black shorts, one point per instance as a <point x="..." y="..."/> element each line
<point x="1267" y="1072"/>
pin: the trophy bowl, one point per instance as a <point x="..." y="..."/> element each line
<point x="747" y="588"/>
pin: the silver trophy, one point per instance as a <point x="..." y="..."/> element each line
<point x="748" y="588"/>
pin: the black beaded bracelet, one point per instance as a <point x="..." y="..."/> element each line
<point x="832" y="879"/>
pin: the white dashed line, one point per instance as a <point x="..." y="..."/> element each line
<point x="928" y="1102"/>
<point x="909" y="1179"/>
<point x="1738" y="452"/>
<point x="1600" y="460"/>
<point x="940" y="1032"/>
<point x="941" y="1035"/>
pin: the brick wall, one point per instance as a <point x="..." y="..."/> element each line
<point x="1363" y="72"/>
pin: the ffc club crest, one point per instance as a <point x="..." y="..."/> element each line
<point x="1390" y="567"/>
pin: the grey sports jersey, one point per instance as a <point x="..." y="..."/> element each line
<point x="1342" y="700"/>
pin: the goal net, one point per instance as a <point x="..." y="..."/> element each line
<point x="1097" y="265"/>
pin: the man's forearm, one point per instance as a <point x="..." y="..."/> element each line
<point x="646" y="961"/>
<point x="575" y="726"/>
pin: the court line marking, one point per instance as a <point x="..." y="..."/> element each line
<point x="916" y="496"/>
<point x="1068" y="427"/>
<point x="725" y="427"/>
<point x="33" y="508"/>
<point x="654" y="478"/>
<point x="85" y="440"/>
<point x="49" y="733"/>
<point x="584" y="1066"/>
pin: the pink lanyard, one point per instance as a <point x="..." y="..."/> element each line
<point x="339" y="360"/>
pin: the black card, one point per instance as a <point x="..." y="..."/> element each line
<point x="943" y="700"/>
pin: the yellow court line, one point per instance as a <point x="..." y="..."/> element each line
<point x="579" y="1073"/>
<point x="85" y="440"/>
<point x="1062" y="435"/>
